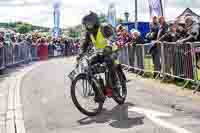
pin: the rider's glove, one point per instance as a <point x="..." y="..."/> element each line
<point x="79" y="57"/>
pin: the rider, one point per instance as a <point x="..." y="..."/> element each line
<point x="99" y="36"/>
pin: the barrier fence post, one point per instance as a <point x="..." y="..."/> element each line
<point x="127" y="57"/>
<point x="194" y="61"/>
<point x="6" y="55"/>
<point x="143" y="59"/>
<point x="142" y="62"/>
<point x="2" y="65"/>
<point x="163" y="60"/>
<point x="3" y="57"/>
<point x="195" y="70"/>
<point x="12" y="57"/>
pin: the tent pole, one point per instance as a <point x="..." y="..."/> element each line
<point x="136" y="15"/>
<point x="161" y="5"/>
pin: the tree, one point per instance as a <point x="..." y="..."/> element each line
<point x="120" y="20"/>
<point x="75" y="31"/>
<point x="23" y="28"/>
<point x="12" y="24"/>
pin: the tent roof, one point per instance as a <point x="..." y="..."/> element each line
<point x="188" y="11"/>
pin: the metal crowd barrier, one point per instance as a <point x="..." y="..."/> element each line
<point x="11" y="55"/>
<point x="33" y="53"/>
<point x="164" y="60"/>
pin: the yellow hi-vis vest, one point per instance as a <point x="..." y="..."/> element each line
<point x="101" y="42"/>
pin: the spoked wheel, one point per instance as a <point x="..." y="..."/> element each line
<point x="122" y="92"/>
<point x="83" y="95"/>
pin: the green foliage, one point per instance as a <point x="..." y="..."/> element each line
<point x="12" y="24"/>
<point x="74" y="33"/>
<point x="120" y="20"/>
<point x="4" y="25"/>
<point x="23" y="28"/>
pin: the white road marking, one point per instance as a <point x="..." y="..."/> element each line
<point x="154" y="116"/>
<point x="14" y="113"/>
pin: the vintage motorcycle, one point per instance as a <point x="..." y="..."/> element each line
<point x="96" y="81"/>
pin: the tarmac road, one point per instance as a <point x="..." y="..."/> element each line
<point x="48" y="108"/>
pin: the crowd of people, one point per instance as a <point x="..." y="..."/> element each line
<point x="180" y="31"/>
<point x="15" y="47"/>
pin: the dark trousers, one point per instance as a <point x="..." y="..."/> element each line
<point x="1" y="58"/>
<point x="155" y="52"/>
<point x="111" y="66"/>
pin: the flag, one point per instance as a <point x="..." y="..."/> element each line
<point x="155" y="7"/>
<point x="112" y="15"/>
<point x="56" y="16"/>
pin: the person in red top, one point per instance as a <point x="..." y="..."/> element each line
<point x="42" y="49"/>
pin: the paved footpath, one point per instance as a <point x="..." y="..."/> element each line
<point x="3" y="103"/>
<point x="42" y="104"/>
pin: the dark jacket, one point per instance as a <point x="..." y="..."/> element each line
<point x="86" y="41"/>
<point x="162" y="30"/>
<point x="169" y="37"/>
<point x="139" y="40"/>
<point x="152" y="35"/>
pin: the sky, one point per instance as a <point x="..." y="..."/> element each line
<point x="40" y="12"/>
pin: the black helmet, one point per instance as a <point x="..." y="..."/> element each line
<point x="90" y="20"/>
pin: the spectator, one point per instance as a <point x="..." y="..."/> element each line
<point x="23" y="48"/>
<point x="55" y="43"/>
<point x="62" y="47"/>
<point x="34" y="49"/>
<point x="8" y="49"/>
<point x="192" y="31"/>
<point x="77" y="46"/>
<point x="59" y="47"/>
<point x="154" y="28"/>
<point x="163" y="28"/>
<point x="67" y="47"/>
<point x="51" y="48"/>
<point x="181" y="30"/>
<point x="7" y="39"/>
<point x="155" y="50"/>
<point x="178" y="56"/>
<point x="156" y="53"/>
<point x="43" y="49"/>
<point x="1" y="51"/>
<point x="119" y="29"/>
<point x="126" y="37"/>
<point x="171" y="34"/>
<point x="169" y="51"/>
<point x="28" y="42"/>
<point x="123" y="39"/>
<point x="192" y="35"/>
<point x="136" y="51"/>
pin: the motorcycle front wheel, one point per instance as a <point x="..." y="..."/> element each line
<point x="81" y="84"/>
